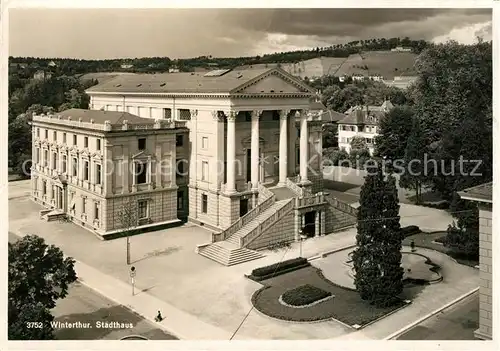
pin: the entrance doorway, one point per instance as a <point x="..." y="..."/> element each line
<point x="243" y="207"/>
<point x="309" y="227"/>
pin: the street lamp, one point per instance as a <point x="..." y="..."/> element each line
<point x="301" y="238"/>
<point x="132" y="276"/>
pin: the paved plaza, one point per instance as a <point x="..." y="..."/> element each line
<point x="201" y="299"/>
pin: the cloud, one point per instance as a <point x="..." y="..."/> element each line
<point x="468" y="34"/>
<point x="179" y="33"/>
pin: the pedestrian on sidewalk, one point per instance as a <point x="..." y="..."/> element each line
<point x="412" y="245"/>
<point x="158" y="317"/>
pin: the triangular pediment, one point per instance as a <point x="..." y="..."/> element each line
<point x="274" y="81"/>
<point x="144" y="154"/>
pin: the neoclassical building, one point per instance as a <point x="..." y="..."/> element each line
<point x="253" y="153"/>
<point x="90" y="165"/>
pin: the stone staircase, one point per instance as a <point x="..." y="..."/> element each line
<point x="52" y="215"/>
<point x="228" y="253"/>
<point x="246" y="229"/>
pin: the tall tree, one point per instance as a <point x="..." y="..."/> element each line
<point x="453" y="98"/>
<point x="377" y="258"/>
<point x="39" y="275"/>
<point x="394" y="130"/>
<point x="413" y="174"/>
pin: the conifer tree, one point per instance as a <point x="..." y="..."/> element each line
<point x="377" y="258"/>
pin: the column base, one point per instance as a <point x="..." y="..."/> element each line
<point x="482" y="336"/>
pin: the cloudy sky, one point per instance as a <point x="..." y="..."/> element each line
<point x="180" y="33"/>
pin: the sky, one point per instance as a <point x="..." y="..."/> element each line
<point x="183" y="33"/>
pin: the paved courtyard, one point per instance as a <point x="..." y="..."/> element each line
<point x="171" y="273"/>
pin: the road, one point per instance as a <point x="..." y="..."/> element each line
<point x="84" y="305"/>
<point x="455" y="323"/>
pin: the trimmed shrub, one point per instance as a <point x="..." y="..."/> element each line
<point x="410" y="230"/>
<point x="280" y="266"/>
<point x="304" y="295"/>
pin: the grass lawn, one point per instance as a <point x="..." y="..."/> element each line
<point x="346" y="306"/>
<point x="426" y="240"/>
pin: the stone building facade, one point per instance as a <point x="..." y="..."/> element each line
<point x="90" y="165"/>
<point x="253" y="149"/>
<point x="482" y="195"/>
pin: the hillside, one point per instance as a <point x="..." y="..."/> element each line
<point x="385" y="63"/>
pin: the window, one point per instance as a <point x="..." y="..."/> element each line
<point x="204" y="170"/>
<point x="54" y="135"/>
<point x="180" y="168"/>
<point x="167" y="113"/>
<point x="97" y="206"/>
<point x="180" y="200"/>
<point x="204" y="203"/>
<point x="74" y="139"/>
<point x="38" y="132"/>
<point x="64" y="164"/>
<point x="297" y="161"/>
<point x="204" y="142"/>
<point x="184" y="115"/>
<point x="179" y="140"/>
<point x="85" y="170"/>
<point x="37" y="155"/>
<point x="54" y="161"/>
<point x="75" y="167"/>
<point x="151" y="112"/>
<point x="64" y="138"/>
<point x="98" y="174"/>
<point x="86" y="142"/>
<point x="46" y="134"/>
<point x="98" y="144"/>
<point x="45" y="158"/>
<point x="84" y="205"/>
<point x="44" y="187"/>
<point x="143" y="209"/>
<point x="141" y="172"/>
<point x="141" y="144"/>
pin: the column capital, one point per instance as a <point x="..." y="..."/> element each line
<point x="256" y="114"/>
<point x="217" y="116"/>
<point x="284" y="114"/>
<point x="231" y="115"/>
<point x="194" y="113"/>
<point x="303" y="113"/>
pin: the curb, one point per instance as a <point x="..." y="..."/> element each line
<point x="326" y="253"/>
<point x="427" y="316"/>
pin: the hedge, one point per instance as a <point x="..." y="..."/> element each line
<point x="410" y="230"/>
<point x="280" y="266"/>
<point x="441" y="205"/>
<point x="304" y="295"/>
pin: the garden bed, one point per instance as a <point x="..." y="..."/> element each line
<point x="347" y="306"/>
<point x="304" y="295"/>
<point x="263" y="273"/>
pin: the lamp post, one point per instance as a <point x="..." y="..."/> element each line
<point x="132" y="276"/>
<point x="301" y="238"/>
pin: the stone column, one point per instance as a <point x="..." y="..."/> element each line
<point x="292" y="137"/>
<point x="231" y="152"/>
<point x="304" y="147"/>
<point x="193" y="160"/>
<point x="255" y="149"/>
<point x="317" y="229"/>
<point x="283" y="161"/>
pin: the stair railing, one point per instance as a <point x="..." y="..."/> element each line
<point x="342" y="206"/>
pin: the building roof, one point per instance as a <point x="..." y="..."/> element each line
<point x="366" y="114"/>
<point x="317" y="105"/>
<point x="99" y="116"/>
<point x="332" y="116"/>
<point x="188" y="82"/>
<point x="481" y="193"/>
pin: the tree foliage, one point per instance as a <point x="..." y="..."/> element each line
<point x="414" y="172"/>
<point x="453" y="99"/>
<point x="377" y="258"/>
<point x="394" y="130"/>
<point x="39" y="275"/>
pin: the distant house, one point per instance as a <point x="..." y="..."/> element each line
<point x="358" y="77"/>
<point x="342" y="78"/>
<point x="401" y="82"/>
<point x="173" y="70"/>
<point x="52" y="64"/>
<point x="376" y="78"/>
<point x="127" y="65"/>
<point x="42" y="75"/>
<point x="401" y="49"/>
<point x="361" y="121"/>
